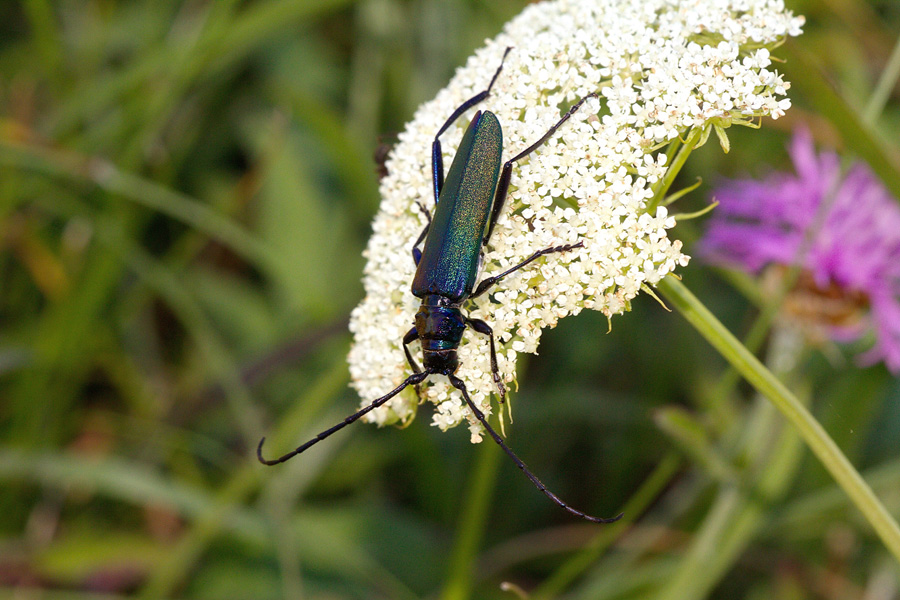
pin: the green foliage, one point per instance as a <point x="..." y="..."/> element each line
<point x="185" y="193"/>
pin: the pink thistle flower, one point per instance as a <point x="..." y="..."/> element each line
<point x="848" y="248"/>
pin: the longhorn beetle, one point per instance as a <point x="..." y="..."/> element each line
<point x="468" y="204"/>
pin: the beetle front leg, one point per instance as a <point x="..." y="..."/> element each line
<point x="482" y="327"/>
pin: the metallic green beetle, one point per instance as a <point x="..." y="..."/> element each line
<point x="468" y="204"/>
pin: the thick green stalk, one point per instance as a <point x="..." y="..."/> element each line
<point x="809" y="429"/>
<point x="771" y="453"/>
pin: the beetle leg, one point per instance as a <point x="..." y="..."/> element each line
<point x="437" y="160"/>
<point x="482" y="327"/>
<point x="411" y="336"/>
<point x="458" y="384"/>
<point x="417" y="254"/>
<point x="486" y="284"/>
<point x="506" y="173"/>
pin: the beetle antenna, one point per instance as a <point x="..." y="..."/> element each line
<point x="458" y="384"/>
<point x="414" y="379"/>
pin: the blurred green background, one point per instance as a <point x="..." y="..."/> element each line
<point x="185" y="192"/>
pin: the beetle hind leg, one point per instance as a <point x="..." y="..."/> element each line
<point x="416" y="253"/>
<point x="437" y="160"/>
<point x="506" y="172"/>
<point x="488" y="283"/>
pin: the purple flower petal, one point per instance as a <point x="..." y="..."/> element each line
<point x="844" y="232"/>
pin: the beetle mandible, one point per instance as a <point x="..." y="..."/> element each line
<point x="468" y="204"/>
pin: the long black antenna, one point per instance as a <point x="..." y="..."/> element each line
<point x="458" y="384"/>
<point x="414" y="379"/>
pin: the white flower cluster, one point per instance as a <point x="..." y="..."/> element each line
<point x="661" y="67"/>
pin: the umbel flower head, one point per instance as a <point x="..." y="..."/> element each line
<point x="842" y="231"/>
<point x="661" y="69"/>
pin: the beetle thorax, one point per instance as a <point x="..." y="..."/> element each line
<point x="440" y="325"/>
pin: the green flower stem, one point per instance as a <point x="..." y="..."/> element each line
<point x="886" y="83"/>
<point x="809" y="429"/>
<point x="472" y="522"/>
<point x="661" y="188"/>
